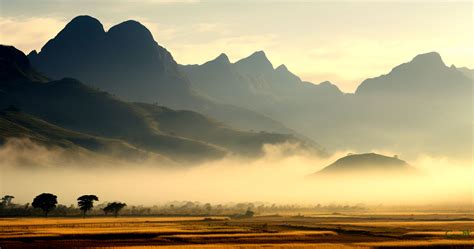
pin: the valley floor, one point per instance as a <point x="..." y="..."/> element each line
<point x="322" y="230"/>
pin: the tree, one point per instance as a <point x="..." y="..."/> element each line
<point x="249" y="213"/>
<point x="7" y="200"/>
<point x="208" y="208"/>
<point x="114" y="208"/>
<point x="85" y="203"/>
<point x="46" y="202"/>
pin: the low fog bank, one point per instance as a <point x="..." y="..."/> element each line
<point x="278" y="177"/>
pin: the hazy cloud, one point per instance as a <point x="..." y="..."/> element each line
<point x="276" y="177"/>
<point x="30" y="33"/>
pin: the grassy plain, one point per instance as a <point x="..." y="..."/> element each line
<point x="321" y="230"/>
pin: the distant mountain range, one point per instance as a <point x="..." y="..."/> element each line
<point x="419" y="107"/>
<point x="466" y="71"/>
<point x="67" y="112"/>
<point x="253" y="83"/>
<point x="365" y="164"/>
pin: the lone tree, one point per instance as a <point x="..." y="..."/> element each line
<point x="114" y="208"/>
<point x="6" y="200"/>
<point x="85" y="203"/>
<point x="249" y="213"/>
<point x="46" y="202"/>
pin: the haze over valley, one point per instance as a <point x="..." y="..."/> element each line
<point x="226" y="124"/>
<point x="117" y="99"/>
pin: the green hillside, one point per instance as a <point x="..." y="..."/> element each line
<point x="15" y="124"/>
<point x="193" y="125"/>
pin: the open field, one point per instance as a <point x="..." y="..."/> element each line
<point x="447" y="230"/>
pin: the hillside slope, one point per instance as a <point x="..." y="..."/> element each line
<point x="15" y="124"/>
<point x="368" y="163"/>
<point x="70" y="104"/>
<point x="206" y="129"/>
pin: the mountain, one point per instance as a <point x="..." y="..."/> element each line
<point x="466" y="71"/>
<point x="419" y="106"/>
<point x="254" y="84"/>
<point x="365" y="163"/>
<point x="180" y="135"/>
<point x="208" y="130"/>
<point x="426" y="73"/>
<point x="126" y="61"/>
<point x="16" y="124"/>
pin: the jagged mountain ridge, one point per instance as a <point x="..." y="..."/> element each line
<point x="128" y="62"/>
<point x="422" y="100"/>
<point x="71" y="105"/>
<point x="421" y="105"/>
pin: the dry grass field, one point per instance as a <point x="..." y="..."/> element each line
<point x="310" y="231"/>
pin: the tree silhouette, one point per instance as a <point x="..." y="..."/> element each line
<point x="46" y="202"/>
<point x="114" y="208"/>
<point x="7" y="200"/>
<point x="86" y="202"/>
<point x="249" y="213"/>
<point x="208" y="208"/>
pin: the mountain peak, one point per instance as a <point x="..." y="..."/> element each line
<point x="325" y="83"/>
<point x="329" y="86"/>
<point x="257" y="61"/>
<point x="9" y="54"/>
<point x="258" y="55"/>
<point x="81" y="25"/>
<point x="14" y="65"/>
<point x="83" y="20"/>
<point x="282" y="68"/>
<point x="80" y="33"/>
<point x="130" y="30"/>
<point x="428" y="59"/>
<point x="222" y="58"/>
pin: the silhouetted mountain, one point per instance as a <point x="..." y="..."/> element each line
<point x="426" y="73"/>
<point x="256" y="64"/>
<point x="72" y="105"/>
<point x="15" y="66"/>
<point x="222" y="58"/>
<point x="253" y="83"/>
<point x="126" y="61"/>
<point x="366" y="163"/>
<point x="421" y="105"/>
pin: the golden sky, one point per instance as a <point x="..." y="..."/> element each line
<point x="344" y="42"/>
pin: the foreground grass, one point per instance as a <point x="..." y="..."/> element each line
<point x="323" y="231"/>
<point x="248" y="246"/>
